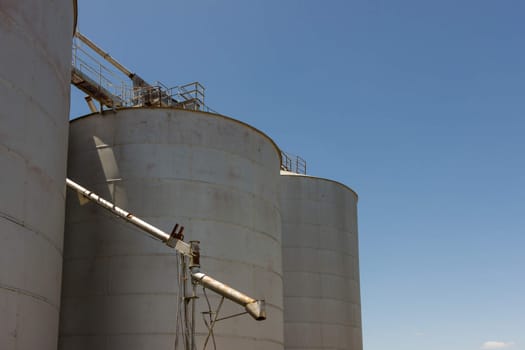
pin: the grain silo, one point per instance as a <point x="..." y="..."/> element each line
<point x="35" y="68"/>
<point x="216" y="176"/>
<point x="320" y="264"/>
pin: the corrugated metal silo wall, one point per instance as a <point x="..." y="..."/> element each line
<point x="322" y="308"/>
<point x="214" y="175"/>
<point x="35" y="66"/>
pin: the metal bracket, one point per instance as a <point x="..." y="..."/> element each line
<point x="176" y="235"/>
<point x="195" y="254"/>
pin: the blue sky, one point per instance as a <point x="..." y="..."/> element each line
<point x="417" y="105"/>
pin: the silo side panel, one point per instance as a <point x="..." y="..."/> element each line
<point x="35" y="66"/>
<point x="322" y="308"/>
<point x="215" y="176"/>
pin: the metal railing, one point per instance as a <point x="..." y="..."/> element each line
<point x="114" y="89"/>
<point x="189" y="96"/>
<point x="87" y="69"/>
<point x="293" y="163"/>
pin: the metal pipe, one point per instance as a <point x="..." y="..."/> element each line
<point x="137" y="81"/>
<point x="256" y="308"/>
<point x="193" y="311"/>
<point x="104" y="54"/>
<point x="182" y="247"/>
<point x="188" y="337"/>
<point x="91" y="104"/>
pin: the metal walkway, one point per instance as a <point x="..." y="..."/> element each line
<point x="114" y="86"/>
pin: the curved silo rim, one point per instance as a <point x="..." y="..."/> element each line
<point x="277" y="149"/>
<point x="75" y="16"/>
<point x="288" y="173"/>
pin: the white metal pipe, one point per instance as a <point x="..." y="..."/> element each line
<point x="182" y="247"/>
<point x="91" y="104"/>
<point x="256" y="308"/>
<point x="137" y="81"/>
<point x="104" y="54"/>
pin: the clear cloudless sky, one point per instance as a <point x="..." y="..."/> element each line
<point x="417" y="105"/>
